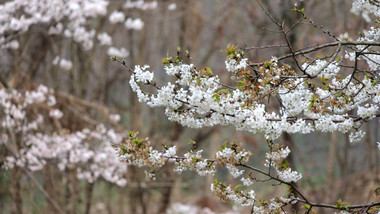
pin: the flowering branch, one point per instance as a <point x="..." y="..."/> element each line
<point x="139" y="152"/>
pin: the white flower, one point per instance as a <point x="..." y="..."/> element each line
<point x="172" y="6"/>
<point x="366" y="6"/>
<point x="105" y="39"/>
<point x="56" y="30"/>
<point x="246" y="181"/>
<point x="368" y="111"/>
<point x="140" y="4"/>
<point x="356" y="136"/>
<point x="116" y="17"/>
<point x="115" y="118"/>
<point x="234" y="171"/>
<point x="233" y="66"/>
<point x="136" y="24"/>
<point x="122" y="52"/>
<point x="315" y="69"/>
<point x="56" y="113"/>
<point x="170" y="152"/>
<point x="143" y="76"/>
<point x="14" y="44"/>
<point x="289" y="176"/>
<point x="278" y="155"/>
<point x="51" y="101"/>
<point x="178" y="208"/>
<point x="63" y="63"/>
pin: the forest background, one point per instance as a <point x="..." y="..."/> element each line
<point x="90" y="89"/>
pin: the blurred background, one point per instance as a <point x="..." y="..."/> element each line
<point x="89" y="88"/>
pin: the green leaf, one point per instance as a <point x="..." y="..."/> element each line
<point x="225" y="91"/>
<point x="131" y="134"/>
<point x="166" y="60"/>
<point x="377" y="192"/>
<point x="284" y="164"/>
<point x="310" y="106"/>
<point x="267" y="64"/>
<point x="112" y="58"/>
<point x="124" y="149"/>
<point x="237" y="187"/>
<point x="198" y="81"/>
<point x="137" y="141"/>
<point x="311" y="102"/>
<point x="206" y="71"/>
<point x="324" y="79"/>
<point x="216" y="97"/>
<point x="223" y="147"/>
<point x="216" y="183"/>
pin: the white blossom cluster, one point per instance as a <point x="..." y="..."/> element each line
<point x="372" y="35"/>
<point x="204" y="103"/>
<point x="246" y="181"/>
<point x="356" y="136"/>
<point x="228" y="193"/>
<point x="366" y="7"/>
<point x="63" y="63"/>
<point x="275" y="159"/>
<point x="194" y="161"/>
<point x="136" y="24"/>
<point x="172" y="6"/>
<point x="140" y="4"/>
<point x="234" y="171"/>
<point x="139" y="152"/>
<point x="105" y="39"/>
<point x="248" y="198"/>
<point x="197" y="98"/>
<point x="116" y="17"/>
<point x="178" y="208"/>
<point x="368" y="111"/>
<point x="70" y="18"/>
<point x="119" y="17"/>
<point x="230" y="156"/>
<point x="279" y="154"/>
<point x="233" y="66"/>
<point x="273" y="206"/>
<point x="297" y="100"/>
<point x="322" y="68"/>
<point x="371" y="58"/>
<point x="181" y="208"/>
<point x="289" y="176"/>
<point x="13" y="105"/>
<point x="88" y="152"/>
<point x="122" y="52"/>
